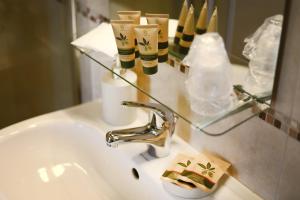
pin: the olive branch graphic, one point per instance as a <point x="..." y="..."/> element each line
<point x="123" y="39"/>
<point x="183" y="164"/>
<point x="146" y="45"/>
<point x="208" y="169"/>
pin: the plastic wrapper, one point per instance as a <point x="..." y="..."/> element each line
<point x="262" y="50"/>
<point x="209" y="83"/>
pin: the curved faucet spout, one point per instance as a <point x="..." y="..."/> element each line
<point x="137" y="134"/>
<point x="158" y="136"/>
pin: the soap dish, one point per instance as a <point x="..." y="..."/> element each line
<point x="178" y="191"/>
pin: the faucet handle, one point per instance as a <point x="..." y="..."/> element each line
<point x="165" y="113"/>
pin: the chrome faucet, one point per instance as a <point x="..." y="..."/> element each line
<point x="157" y="133"/>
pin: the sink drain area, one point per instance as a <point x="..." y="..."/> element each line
<point x="135" y="173"/>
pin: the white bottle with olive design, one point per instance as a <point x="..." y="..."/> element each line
<point x="147" y="38"/>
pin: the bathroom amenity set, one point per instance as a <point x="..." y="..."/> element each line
<point x="194" y="176"/>
<point x="134" y="41"/>
<point x="147" y="42"/>
<point x="150" y="42"/>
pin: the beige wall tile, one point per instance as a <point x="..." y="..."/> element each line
<point x="256" y="151"/>
<point x="290" y="179"/>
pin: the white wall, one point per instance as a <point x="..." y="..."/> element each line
<point x="90" y="72"/>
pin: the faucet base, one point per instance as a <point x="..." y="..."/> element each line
<point x="157" y="133"/>
<point x="157" y="152"/>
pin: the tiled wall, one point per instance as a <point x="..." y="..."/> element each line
<point x="289" y="184"/>
<point x="289" y="83"/>
<point x="287" y="102"/>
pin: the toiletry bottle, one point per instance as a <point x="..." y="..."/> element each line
<point x="188" y="33"/>
<point x="147" y="38"/>
<point x="201" y="23"/>
<point x="136" y="17"/>
<point x="181" y="20"/>
<point x="124" y="35"/>
<point x="213" y="22"/>
<point x="163" y="24"/>
<point x="114" y="91"/>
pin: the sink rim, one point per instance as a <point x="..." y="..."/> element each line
<point x="86" y="114"/>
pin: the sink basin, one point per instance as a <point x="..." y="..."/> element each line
<point x="52" y="160"/>
<point x="63" y="156"/>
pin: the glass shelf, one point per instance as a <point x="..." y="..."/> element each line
<point x="167" y="87"/>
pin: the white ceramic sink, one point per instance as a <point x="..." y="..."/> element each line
<point x="63" y="156"/>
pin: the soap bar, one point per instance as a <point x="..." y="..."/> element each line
<point x="202" y="171"/>
<point x="173" y="172"/>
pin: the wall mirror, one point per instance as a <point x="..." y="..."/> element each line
<point x="254" y="23"/>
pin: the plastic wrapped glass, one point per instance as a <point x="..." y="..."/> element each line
<point x="209" y="85"/>
<point x="262" y="50"/>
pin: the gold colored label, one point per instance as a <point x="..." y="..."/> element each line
<point x="150" y="63"/>
<point x="162" y="52"/>
<point x="178" y="34"/>
<point x="126" y="54"/>
<point x="185" y="43"/>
